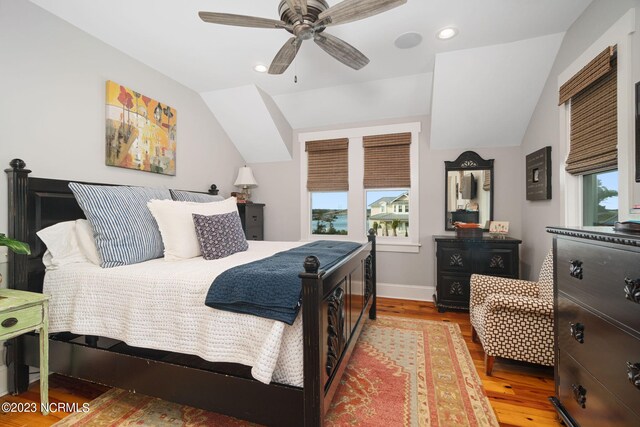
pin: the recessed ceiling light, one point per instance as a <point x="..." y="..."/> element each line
<point x="260" y="68"/>
<point x="408" y="40"/>
<point x="447" y="33"/>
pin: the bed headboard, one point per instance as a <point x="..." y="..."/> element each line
<point x="34" y="203"/>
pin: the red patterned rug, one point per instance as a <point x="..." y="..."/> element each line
<point x="402" y="373"/>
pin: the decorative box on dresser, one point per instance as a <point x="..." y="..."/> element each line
<point x="252" y="217"/>
<point x="458" y="258"/>
<point x="597" y="326"/>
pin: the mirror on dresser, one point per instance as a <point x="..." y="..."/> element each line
<point x="468" y="193"/>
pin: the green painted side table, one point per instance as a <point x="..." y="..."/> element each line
<point x="22" y="312"/>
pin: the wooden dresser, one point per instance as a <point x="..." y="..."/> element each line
<point x="459" y="258"/>
<point x="252" y="217"/>
<point x="597" y="326"/>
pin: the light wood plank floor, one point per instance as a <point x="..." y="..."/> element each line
<point x="518" y="392"/>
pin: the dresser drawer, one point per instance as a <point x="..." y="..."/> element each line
<point x="595" y="275"/>
<point x="452" y="259"/>
<point x="496" y="262"/>
<point x="454" y="290"/>
<point x="21" y="319"/>
<point x="254" y="233"/>
<point x="601" y="408"/>
<point x="576" y="324"/>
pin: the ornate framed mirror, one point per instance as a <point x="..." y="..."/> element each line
<point x="468" y="195"/>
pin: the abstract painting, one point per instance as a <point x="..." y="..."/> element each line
<point x="140" y="131"/>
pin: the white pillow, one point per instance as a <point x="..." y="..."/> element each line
<point x="62" y="245"/>
<point x="86" y="241"/>
<point x="175" y="221"/>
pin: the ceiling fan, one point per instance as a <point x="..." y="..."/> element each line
<point x="307" y="19"/>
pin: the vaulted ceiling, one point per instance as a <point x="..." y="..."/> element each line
<point x="518" y="37"/>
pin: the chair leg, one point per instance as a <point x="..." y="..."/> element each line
<point x="488" y="364"/>
<point x="474" y="334"/>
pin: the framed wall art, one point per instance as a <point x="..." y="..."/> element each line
<point x="140" y="131"/>
<point x="538" y="179"/>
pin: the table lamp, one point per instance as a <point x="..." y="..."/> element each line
<point x="245" y="180"/>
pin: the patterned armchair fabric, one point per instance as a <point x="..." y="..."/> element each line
<point x="514" y="318"/>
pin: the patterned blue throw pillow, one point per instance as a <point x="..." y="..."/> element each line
<point x="190" y="196"/>
<point x="220" y="235"/>
<point x="123" y="227"/>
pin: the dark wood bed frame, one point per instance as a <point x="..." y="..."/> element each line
<point x="334" y="305"/>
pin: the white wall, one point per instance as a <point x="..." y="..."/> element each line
<point x="52" y="114"/>
<point x="412" y="274"/>
<point x="543" y="129"/>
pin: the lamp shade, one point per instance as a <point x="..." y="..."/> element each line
<point x="245" y="178"/>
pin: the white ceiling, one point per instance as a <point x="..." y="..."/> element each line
<point x="168" y="35"/>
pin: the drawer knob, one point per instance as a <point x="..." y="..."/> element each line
<point x="633" y="373"/>
<point x="7" y="323"/>
<point x="575" y="269"/>
<point x="580" y="394"/>
<point x="577" y="332"/>
<point x="632" y="290"/>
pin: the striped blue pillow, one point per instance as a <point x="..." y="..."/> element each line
<point x="190" y="196"/>
<point x="123" y="227"/>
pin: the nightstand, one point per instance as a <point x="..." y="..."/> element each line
<point x="252" y="217"/>
<point x="22" y="312"/>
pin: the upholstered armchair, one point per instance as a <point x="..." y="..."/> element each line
<point x="514" y="318"/>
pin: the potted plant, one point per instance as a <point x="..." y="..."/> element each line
<point x="15" y="245"/>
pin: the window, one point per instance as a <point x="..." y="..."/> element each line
<point x="354" y="180"/>
<point x="395" y="224"/>
<point x="600" y="198"/>
<point x="591" y="99"/>
<point x="329" y="214"/>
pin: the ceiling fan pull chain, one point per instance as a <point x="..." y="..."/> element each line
<point x="295" y="70"/>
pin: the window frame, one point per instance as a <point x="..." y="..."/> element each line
<point x="356" y="199"/>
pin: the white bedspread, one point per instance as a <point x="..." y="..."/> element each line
<point x="160" y="304"/>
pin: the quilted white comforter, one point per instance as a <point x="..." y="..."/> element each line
<point x="160" y="304"/>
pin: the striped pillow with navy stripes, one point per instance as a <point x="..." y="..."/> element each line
<point x="123" y="227"/>
<point x="190" y="196"/>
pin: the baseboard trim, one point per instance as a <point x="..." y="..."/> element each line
<point x="412" y="292"/>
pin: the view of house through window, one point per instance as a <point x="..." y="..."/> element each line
<point x="600" y="198"/>
<point x="388" y="212"/>
<point x="329" y="212"/>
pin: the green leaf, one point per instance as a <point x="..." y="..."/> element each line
<point x="15" y="245"/>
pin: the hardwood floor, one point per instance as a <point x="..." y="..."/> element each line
<point x="518" y="392"/>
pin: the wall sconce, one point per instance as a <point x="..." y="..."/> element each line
<point x="245" y="180"/>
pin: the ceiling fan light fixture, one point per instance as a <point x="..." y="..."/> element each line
<point x="447" y="33"/>
<point x="260" y="68"/>
<point x="408" y="40"/>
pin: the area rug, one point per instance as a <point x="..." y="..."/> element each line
<point x="403" y="372"/>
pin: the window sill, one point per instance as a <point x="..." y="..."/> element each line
<point x="409" y="248"/>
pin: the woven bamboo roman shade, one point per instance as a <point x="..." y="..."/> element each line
<point x="328" y="165"/>
<point x="594" y="124"/>
<point x="386" y="161"/>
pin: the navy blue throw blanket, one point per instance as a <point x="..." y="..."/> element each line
<point x="271" y="287"/>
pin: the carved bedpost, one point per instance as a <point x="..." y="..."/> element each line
<point x="17" y="177"/>
<point x="313" y="394"/>
<point x="18" y="180"/>
<point x="374" y="292"/>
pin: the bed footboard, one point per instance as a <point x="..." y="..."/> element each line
<point x="342" y="296"/>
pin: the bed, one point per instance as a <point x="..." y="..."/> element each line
<point x="335" y="304"/>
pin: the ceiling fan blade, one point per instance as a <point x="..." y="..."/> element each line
<point x="285" y="56"/>
<point x="341" y="50"/>
<point x="298" y="6"/>
<point x="240" y="20"/>
<point x="353" y="10"/>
